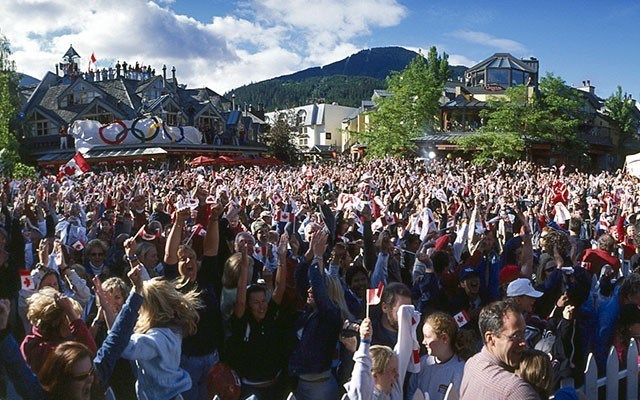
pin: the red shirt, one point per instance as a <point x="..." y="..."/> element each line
<point x="597" y="258"/>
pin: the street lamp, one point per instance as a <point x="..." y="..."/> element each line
<point x="432" y="155"/>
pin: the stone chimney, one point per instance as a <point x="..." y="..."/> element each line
<point x="173" y="74"/>
<point x="164" y="76"/>
<point x="233" y="101"/>
<point x="586" y="87"/>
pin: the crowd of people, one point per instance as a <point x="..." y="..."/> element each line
<point x="382" y="279"/>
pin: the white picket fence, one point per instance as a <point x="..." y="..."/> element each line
<point x="591" y="381"/>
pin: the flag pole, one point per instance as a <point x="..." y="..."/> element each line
<point x="193" y="232"/>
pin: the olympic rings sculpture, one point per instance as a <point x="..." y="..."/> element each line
<point x="151" y="134"/>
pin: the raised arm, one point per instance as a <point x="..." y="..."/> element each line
<point x="241" y="293"/>
<point x="212" y="238"/>
<point x="175" y="235"/>
<point x="281" y="272"/>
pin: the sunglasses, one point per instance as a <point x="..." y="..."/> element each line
<point x="80" y="378"/>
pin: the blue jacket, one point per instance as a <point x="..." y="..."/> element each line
<point x="117" y="339"/>
<point x="318" y="328"/>
<point x="25" y="382"/>
<point x="157" y="355"/>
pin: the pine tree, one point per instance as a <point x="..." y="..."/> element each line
<point x="9" y="145"/>
<point x="281" y="138"/>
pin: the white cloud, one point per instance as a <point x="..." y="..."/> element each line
<point x="263" y="39"/>
<point x="485" y="39"/>
<point x="459" y="59"/>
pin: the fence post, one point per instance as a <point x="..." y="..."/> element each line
<point x="632" y="370"/>
<point x="613" y="366"/>
<point x="591" y="379"/>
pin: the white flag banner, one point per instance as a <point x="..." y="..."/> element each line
<point x="89" y="133"/>
<point x="633" y="164"/>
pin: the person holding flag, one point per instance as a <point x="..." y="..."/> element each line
<point x="447" y="349"/>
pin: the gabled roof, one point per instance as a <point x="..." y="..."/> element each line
<point x="502" y="60"/>
<point x="79" y="81"/>
<point x="100" y="102"/>
<point x="71" y="53"/>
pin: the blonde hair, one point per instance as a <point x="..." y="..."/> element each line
<point x="380" y="356"/>
<point x="535" y="368"/>
<point x="164" y="306"/>
<point x="231" y="272"/>
<point x="115" y="283"/>
<point x="45" y="314"/>
<point x="336" y="294"/>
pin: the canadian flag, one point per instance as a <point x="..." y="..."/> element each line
<point x="284" y="216"/>
<point x="210" y="200"/>
<point x="461" y="318"/>
<point x="390" y="219"/>
<point x="92" y="60"/>
<point x="27" y="281"/>
<point x="144" y="235"/>
<point x="199" y="230"/>
<point x="78" y="245"/>
<point x="74" y="167"/>
<point x="260" y="252"/>
<point x="374" y="295"/>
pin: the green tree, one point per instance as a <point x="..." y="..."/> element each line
<point x="9" y="145"/>
<point x="621" y="108"/>
<point x="523" y="117"/>
<point x="411" y="108"/>
<point x="281" y="139"/>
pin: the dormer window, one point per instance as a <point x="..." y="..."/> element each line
<point x="154" y="91"/>
<point x="80" y="94"/>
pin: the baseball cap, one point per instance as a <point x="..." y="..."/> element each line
<point x="522" y="287"/>
<point x="466" y="272"/>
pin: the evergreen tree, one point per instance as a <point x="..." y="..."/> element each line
<point x="411" y="109"/>
<point x="281" y="139"/>
<point x="9" y="103"/>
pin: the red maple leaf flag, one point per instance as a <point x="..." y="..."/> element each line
<point x="27" y="281"/>
<point x="374" y="295"/>
<point x="199" y="230"/>
<point x="78" y="245"/>
<point x="74" y="167"/>
<point x="93" y="58"/>
<point x="462" y="318"/>
<point x="284" y="216"/>
<point x="144" y="235"/>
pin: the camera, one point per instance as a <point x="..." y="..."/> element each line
<point x="350" y="329"/>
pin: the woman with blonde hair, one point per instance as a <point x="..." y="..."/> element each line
<point x="165" y="317"/>
<point x="447" y="349"/>
<point x="55" y="318"/>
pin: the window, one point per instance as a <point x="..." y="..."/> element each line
<point x="80" y="94"/>
<point x="327" y="136"/>
<point x="517" y="78"/>
<point x="172" y="115"/>
<point x="99" y="114"/>
<point x="41" y="126"/>
<point x="154" y="91"/>
<point x="497" y="76"/>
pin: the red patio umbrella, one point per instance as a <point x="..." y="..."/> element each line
<point x="202" y="160"/>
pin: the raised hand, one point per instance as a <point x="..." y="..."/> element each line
<point x="282" y="246"/>
<point x="135" y="275"/>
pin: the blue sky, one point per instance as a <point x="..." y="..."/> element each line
<point x="225" y="44"/>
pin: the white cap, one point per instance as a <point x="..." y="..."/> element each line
<point x="522" y="287"/>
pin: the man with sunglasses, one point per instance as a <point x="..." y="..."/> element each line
<point x="489" y="374"/>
